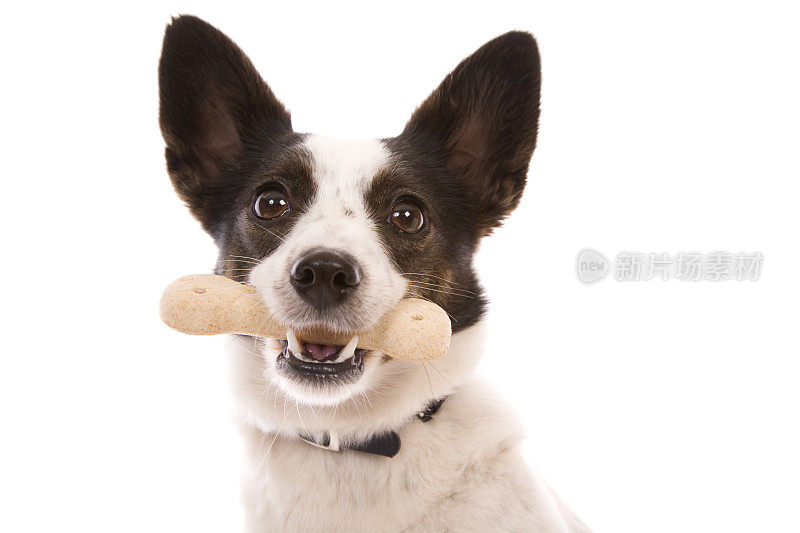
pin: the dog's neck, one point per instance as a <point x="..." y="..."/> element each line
<point x="388" y="406"/>
<point x="386" y="444"/>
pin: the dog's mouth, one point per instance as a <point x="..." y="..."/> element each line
<point x="321" y="364"/>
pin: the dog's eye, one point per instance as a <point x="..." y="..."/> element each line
<point x="271" y="204"/>
<point x="407" y="217"/>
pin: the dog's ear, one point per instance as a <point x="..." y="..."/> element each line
<point x="212" y="101"/>
<point x="483" y="119"/>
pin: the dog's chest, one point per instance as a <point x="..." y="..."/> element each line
<point x="298" y="487"/>
<point x="461" y="471"/>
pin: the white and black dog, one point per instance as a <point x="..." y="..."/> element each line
<point x="333" y="234"/>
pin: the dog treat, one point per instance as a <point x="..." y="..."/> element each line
<point x="206" y="304"/>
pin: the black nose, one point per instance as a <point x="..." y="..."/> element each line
<point x="325" y="278"/>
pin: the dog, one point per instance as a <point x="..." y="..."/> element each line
<point x="333" y="234"/>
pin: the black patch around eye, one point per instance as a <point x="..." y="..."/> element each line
<point x="436" y="262"/>
<point x="248" y="238"/>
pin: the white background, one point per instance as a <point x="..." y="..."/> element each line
<point x="650" y="406"/>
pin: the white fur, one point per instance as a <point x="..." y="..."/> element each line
<point x="461" y="471"/>
<point x="342" y="172"/>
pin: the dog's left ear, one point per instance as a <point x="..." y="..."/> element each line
<point x="483" y="118"/>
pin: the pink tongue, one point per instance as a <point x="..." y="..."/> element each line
<point x="320" y="351"/>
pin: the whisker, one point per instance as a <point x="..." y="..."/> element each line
<point x="244" y="317"/>
<point x="429" y="378"/>
<point x="428" y="275"/>
<point x="415" y="295"/>
<point x="245" y="261"/>
<point x="271" y="444"/>
<point x="250" y="351"/>
<point x="311" y="408"/>
<point x="300" y="417"/>
<point x="357" y="410"/>
<point x="266" y="391"/>
<point x="366" y="399"/>
<point x="440" y="374"/>
<point x="437" y="285"/>
<point x="441" y="291"/>
<point x="281" y="238"/>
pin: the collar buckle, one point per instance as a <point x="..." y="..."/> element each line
<point x="330" y="441"/>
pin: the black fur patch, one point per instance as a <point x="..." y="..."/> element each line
<point x="437" y="262"/>
<point x="464" y="154"/>
<point x="228" y="139"/>
<point x="245" y="238"/>
<point x="214" y="111"/>
<point x="481" y="124"/>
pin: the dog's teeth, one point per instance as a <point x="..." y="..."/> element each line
<point x="348" y="351"/>
<point x="294" y="344"/>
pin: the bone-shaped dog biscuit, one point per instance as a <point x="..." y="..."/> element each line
<point x="206" y="304"/>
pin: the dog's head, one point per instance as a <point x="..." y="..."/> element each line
<point x="333" y="233"/>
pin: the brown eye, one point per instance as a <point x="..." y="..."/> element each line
<point x="271" y="204"/>
<point x="407" y="217"/>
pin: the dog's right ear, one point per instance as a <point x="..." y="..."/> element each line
<point x="212" y="100"/>
<point x="483" y="120"/>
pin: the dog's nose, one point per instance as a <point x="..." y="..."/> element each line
<point x="325" y="278"/>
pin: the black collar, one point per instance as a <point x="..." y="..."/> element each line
<point x="385" y="444"/>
